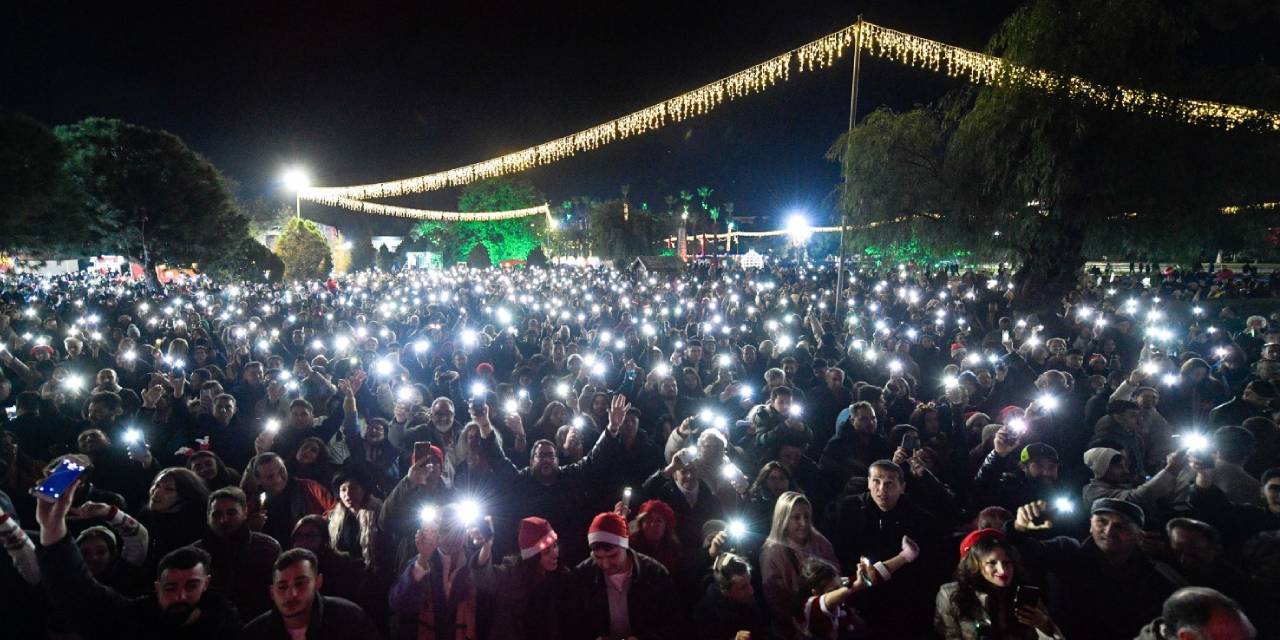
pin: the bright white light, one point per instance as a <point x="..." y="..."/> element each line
<point x="132" y="436"/>
<point x="662" y="369"/>
<point x="724" y="360"/>
<point x="798" y="228"/>
<point x="468" y="338"/>
<point x="1063" y="505"/>
<point x="271" y="426"/>
<point x="737" y="529"/>
<point x="469" y="512"/>
<point x="562" y="390"/>
<point x="478" y="389"/>
<point x="341" y="343"/>
<point x="730" y="471"/>
<point x="1169" y="379"/>
<point x="1195" y="442"/>
<point x="796" y="411"/>
<point x="296" y="179"/>
<point x="511" y="407"/>
<point x="1047" y="401"/>
<point x="1018" y="426"/>
<point x="405" y="394"/>
<point x="382" y="367"/>
<point x="421" y="346"/>
<point x="1150" y="368"/>
<point x="428" y="515"/>
<point x="950" y="382"/>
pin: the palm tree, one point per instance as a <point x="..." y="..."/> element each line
<point x="703" y="194"/>
<point x="671" y="204"/>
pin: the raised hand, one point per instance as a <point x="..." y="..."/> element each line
<point x="617" y="412"/>
<point x="1033" y="516"/>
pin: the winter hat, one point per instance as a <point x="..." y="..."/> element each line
<point x="1098" y="459"/>
<point x="975" y="536"/>
<point x="484" y="369"/>
<point x="536" y="535"/>
<point x="1038" y="451"/>
<point x="660" y="509"/>
<point x="435" y="451"/>
<point x="1123" y="507"/>
<point x="608" y="528"/>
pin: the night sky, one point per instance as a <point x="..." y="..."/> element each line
<point x="366" y="91"/>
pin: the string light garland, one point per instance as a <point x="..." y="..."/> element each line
<point x="822" y="53"/>
<point x="374" y="208"/>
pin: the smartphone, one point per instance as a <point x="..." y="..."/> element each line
<point x="1203" y="459"/>
<point x="12" y="412"/>
<point x="52" y="488"/>
<point x="1026" y="596"/>
<point x="631" y="375"/>
<point x="910" y="442"/>
<point x="422" y="451"/>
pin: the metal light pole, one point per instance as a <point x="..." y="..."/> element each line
<point x="844" y="215"/>
<point x="296" y="180"/>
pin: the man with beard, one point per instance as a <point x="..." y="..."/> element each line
<point x="1002" y="482"/>
<point x="301" y="612"/>
<point x="1105" y="587"/>
<point x="241" y="558"/>
<point x="559" y="494"/>
<point x="182" y="606"/>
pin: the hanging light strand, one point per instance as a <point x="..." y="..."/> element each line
<point x="820" y="54"/>
<point x="374" y="208"/>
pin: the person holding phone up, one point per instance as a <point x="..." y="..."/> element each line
<point x="990" y="597"/>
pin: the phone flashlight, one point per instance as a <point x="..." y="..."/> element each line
<point x="428" y="515"/>
<point x="272" y="426"/>
<point x="737" y="529"/>
<point x="132" y="437"/>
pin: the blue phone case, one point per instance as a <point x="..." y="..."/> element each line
<point x="57" y="483"/>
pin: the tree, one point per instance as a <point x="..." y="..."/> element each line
<point x="148" y="197"/>
<point x="251" y="261"/>
<point x="479" y="258"/>
<point x="1060" y="179"/>
<point x="266" y="215"/>
<point x="363" y="255"/>
<point x="37" y="200"/>
<point x="510" y="239"/>
<point x="304" y="251"/>
<point x="613" y="237"/>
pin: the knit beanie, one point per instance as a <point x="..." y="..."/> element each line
<point x="1098" y="459"/>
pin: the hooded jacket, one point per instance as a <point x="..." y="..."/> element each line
<point x="1153" y="496"/>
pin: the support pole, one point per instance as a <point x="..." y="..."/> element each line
<point x="844" y="215"/>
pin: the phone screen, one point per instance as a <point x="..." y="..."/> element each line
<point x="422" y="451"/>
<point x="910" y="442"/>
<point x="12" y="412"/>
<point x="58" y="481"/>
<point x="1026" y="596"/>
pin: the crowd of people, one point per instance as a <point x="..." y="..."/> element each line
<point x="720" y="454"/>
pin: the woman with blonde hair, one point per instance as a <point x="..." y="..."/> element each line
<point x="791" y="543"/>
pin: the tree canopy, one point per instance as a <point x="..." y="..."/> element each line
<point x="304" y="251"/>
<point x="147" y="196"/>
<point x="504" y="239"/>
<point x="37" y="200"/>
<point x="1010" y="172"/>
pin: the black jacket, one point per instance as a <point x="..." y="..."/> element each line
<point x="243" y="568"/>
<point x="1088" y="596"/>
<point x="331" y="618"/>
<point x="650" y="604"/>
<point x="719" y="618"/>
<point x="102" y="612"/>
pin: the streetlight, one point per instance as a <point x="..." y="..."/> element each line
<point x="296" y="180"/>
<point x="798" y="228"/>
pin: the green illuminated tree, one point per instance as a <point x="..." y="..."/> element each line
<point x="510" y="239"/>
<point x="304" y="251"/>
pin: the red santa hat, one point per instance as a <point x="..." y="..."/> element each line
<point x="609" y="528"/>
<point x="536" y="535"/>
<point x="976" y="536"/>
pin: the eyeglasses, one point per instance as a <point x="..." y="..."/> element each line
<point x="442" y="414"/>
